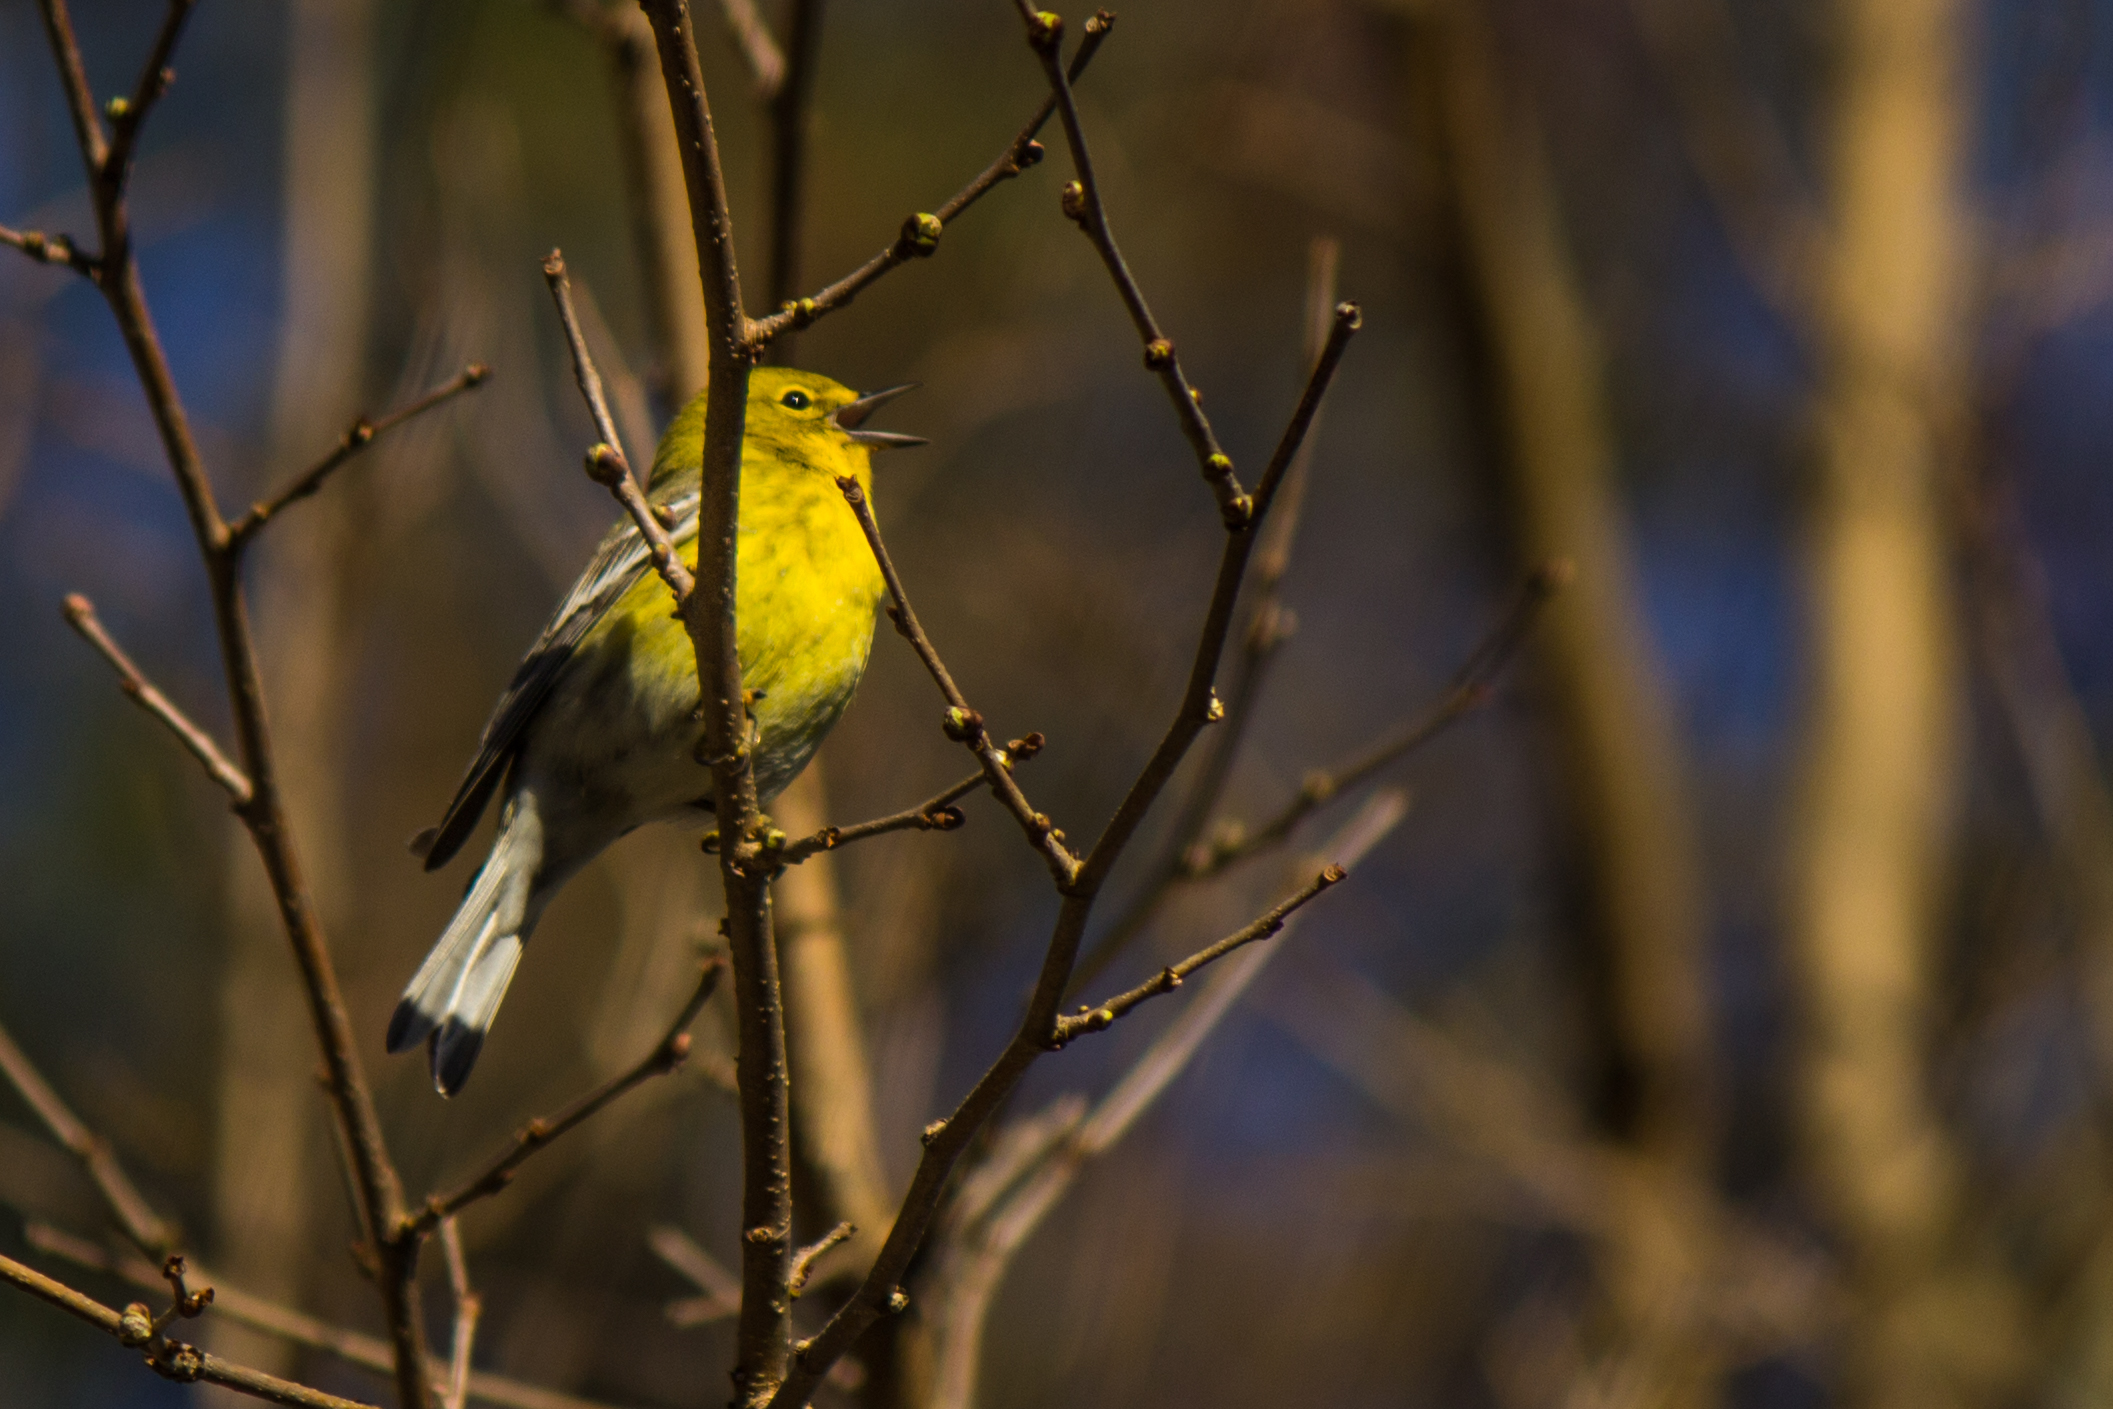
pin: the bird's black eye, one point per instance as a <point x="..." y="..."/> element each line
<point x="797" y="400"/>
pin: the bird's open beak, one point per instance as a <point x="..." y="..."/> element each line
<point x="851" y="418"/>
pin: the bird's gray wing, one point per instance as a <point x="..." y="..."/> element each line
<point x="618" y="563"/>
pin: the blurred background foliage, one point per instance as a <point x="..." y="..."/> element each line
<point x="1614" y="1077"/>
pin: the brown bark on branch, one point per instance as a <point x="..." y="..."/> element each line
<point x="764" y="1336"/>
<point x="173" y="1360"/>
<point x="117" y="277"/>
<point x="262" y="1314"/>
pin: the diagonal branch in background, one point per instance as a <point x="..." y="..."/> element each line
<point x="134" y="1328"/>
<point x="1207" y="851"/>
<point x="992" y="1223"/>
<point x="751" y="36"/>
<point x="468" y="1308"/>
<point x="961" y="723"/>
<point x="362" y="434"/>
<point x="1742" y="153"/>
<point x="146" y="1229"/>
<point x="721" y="1289"/>
<point x="1229" y="843"/>
<point x="80" y="614"/>
<point x="670" y="1053"/>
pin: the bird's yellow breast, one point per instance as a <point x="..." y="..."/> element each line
<point x="806" y="590"/>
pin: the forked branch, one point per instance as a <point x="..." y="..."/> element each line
<point x="80" y="615"/>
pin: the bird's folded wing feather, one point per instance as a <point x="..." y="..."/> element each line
<point x="618" y="563"/>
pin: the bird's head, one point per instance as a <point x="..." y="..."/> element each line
<point x="805" y="418"/>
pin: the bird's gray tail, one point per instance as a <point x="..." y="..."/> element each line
<point x="452" y="999"/>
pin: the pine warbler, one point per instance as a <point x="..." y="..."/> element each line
<point x="600" y="730"/>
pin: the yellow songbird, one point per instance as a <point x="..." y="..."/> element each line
<point x="600" y="730"/>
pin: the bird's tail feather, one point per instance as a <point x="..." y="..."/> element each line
<point x="452" y="999"/>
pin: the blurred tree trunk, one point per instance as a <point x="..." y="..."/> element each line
<point x="1882" y="750"/>
<point x="1620" y="745"/>
<point x="268" y="1113"/>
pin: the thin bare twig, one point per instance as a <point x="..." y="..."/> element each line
<point x="50" y="249"/>
<point x="1230" y="843"/>
<point x="920" y="233"/>
<point x="803" y="1261"/>
<point x="368" y="1352"/>
<point x="80" y="614"/>
<point x="128" y="116"/>
<point x="1097" y="1018"/>
<point x="668" y="1054"/>
<point x="468" y="1307"/>
<point x="934" y="814"/>
<point x="606" y="462"/>
<point x="1083" y="203"/>
<point x="134" y="1327"/>
<point x="358" y="437"/>
<point x="148" y="1231"/>
<point x="961" y="722"/>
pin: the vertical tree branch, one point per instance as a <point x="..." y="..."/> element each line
<point x="764" y="1334"/>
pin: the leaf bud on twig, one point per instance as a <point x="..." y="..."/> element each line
<point x="1045" y="30"/>
<point x="1072" y="201"/>
<point x="961" y="725"/>
<point x="604" y="465"/>
<point x="920" y="234"/>
<point x="136" y="1326"/>
<point x="1159" y="355"/>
